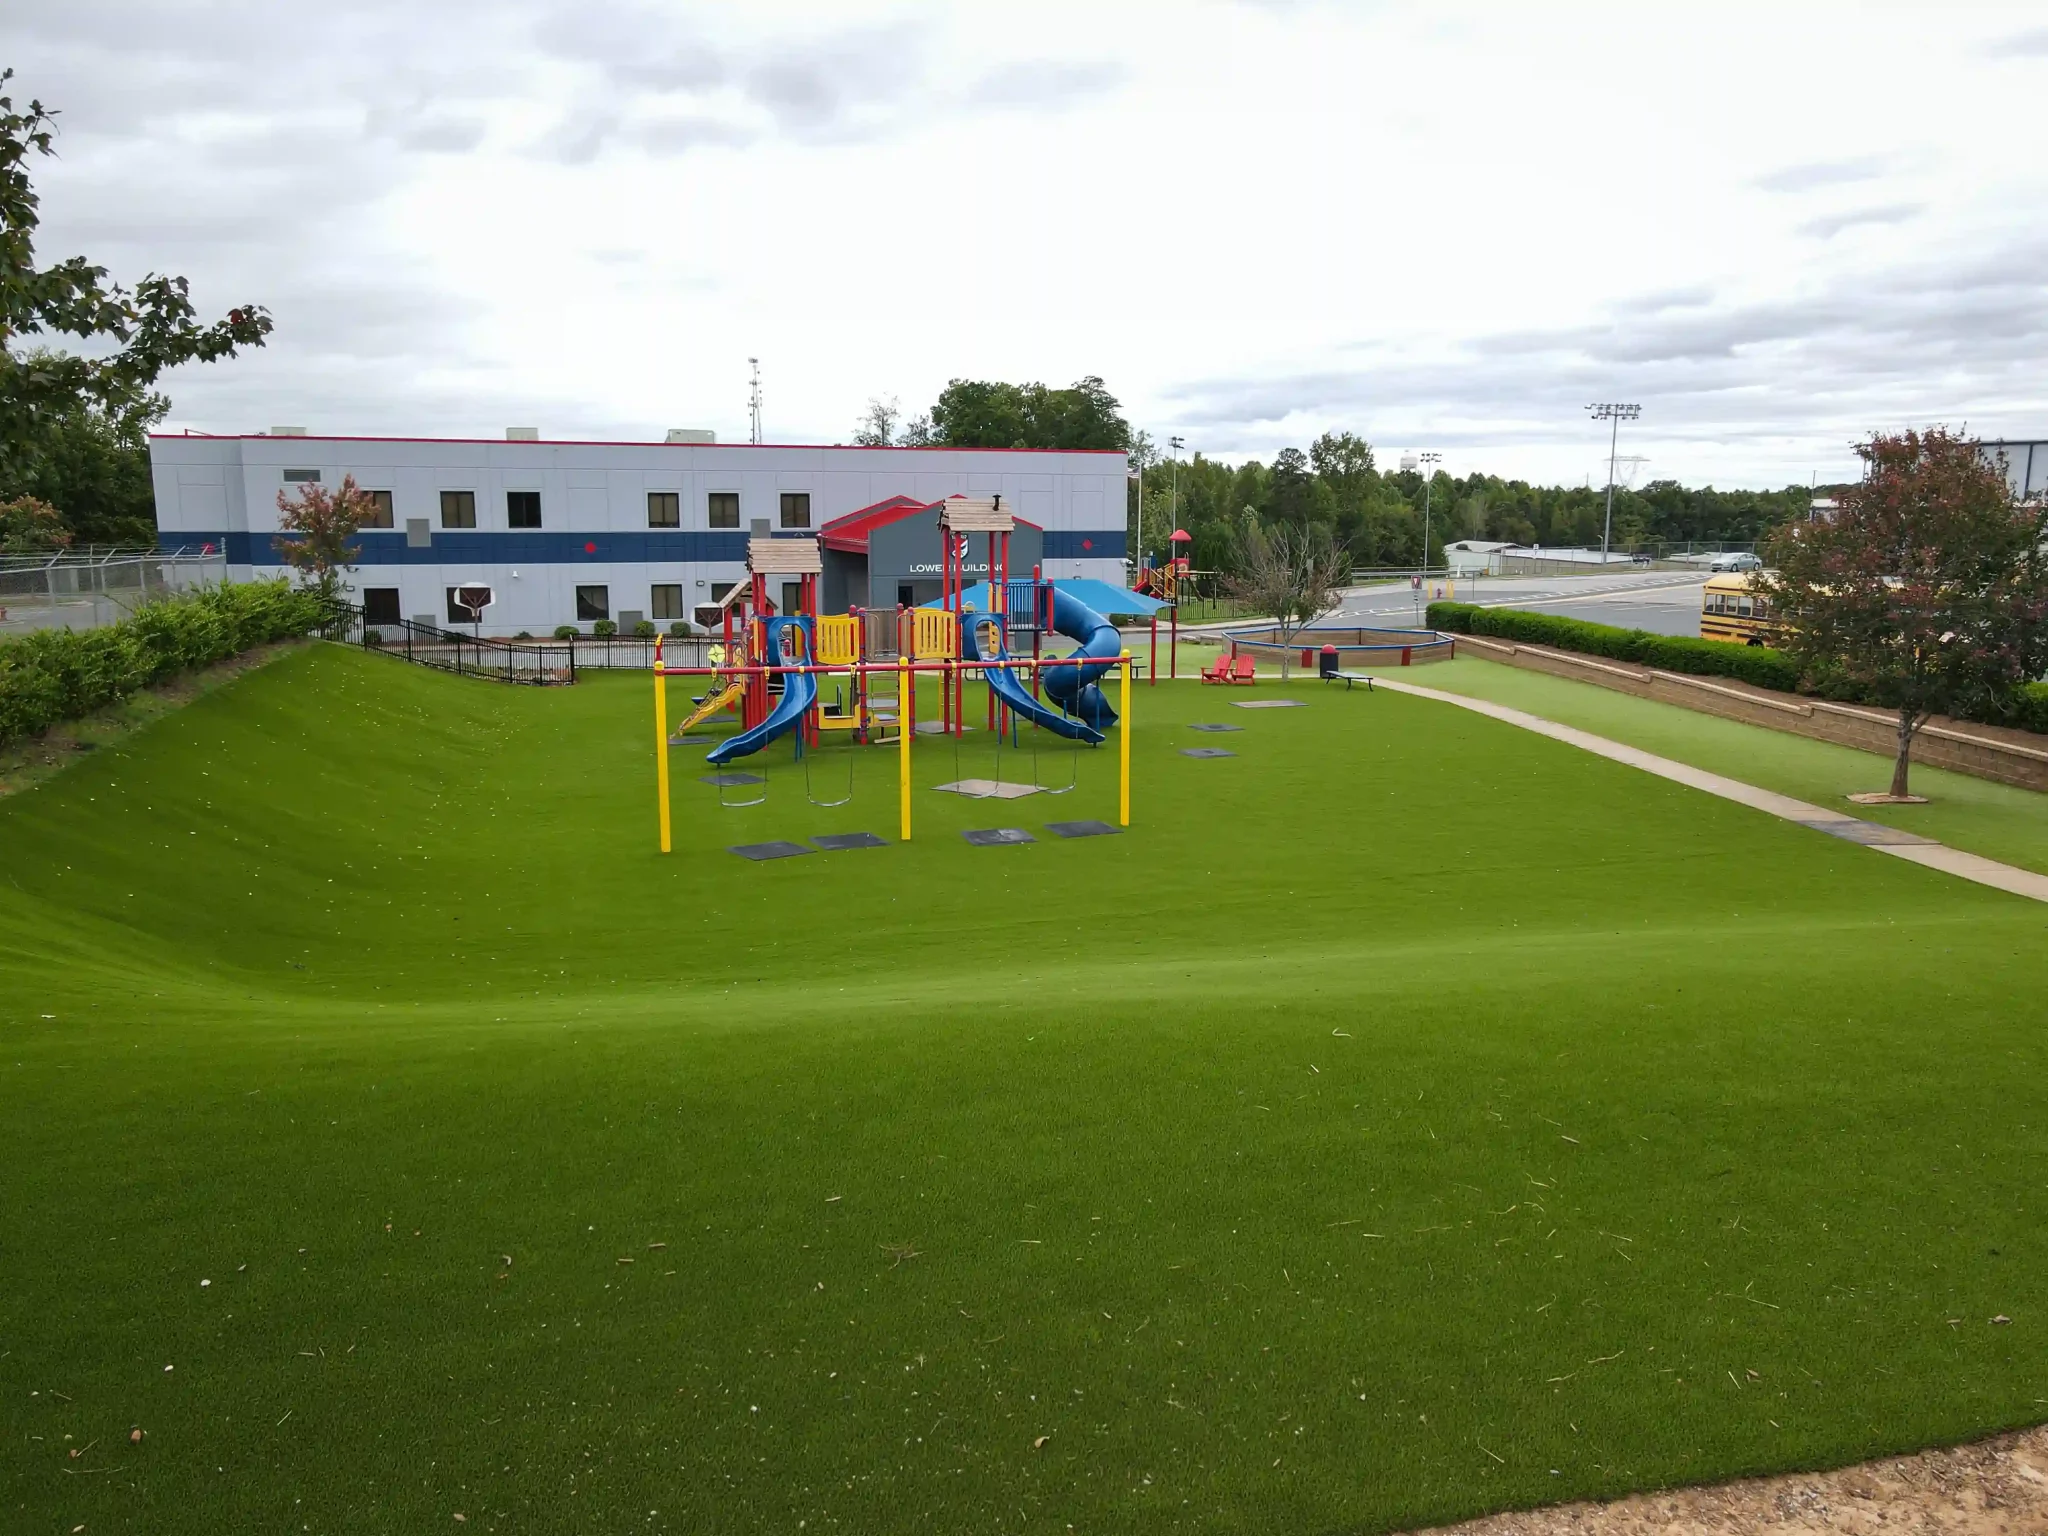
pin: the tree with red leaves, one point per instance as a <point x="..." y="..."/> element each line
<point x="1926" y="593"/>
<point x="317" y="527"/>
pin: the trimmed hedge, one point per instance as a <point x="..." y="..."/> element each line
<point x="2025" y="709"/>
<point x="53" y="675"/>
<point x="2028" y="709"/>
<point x="1756" y="665"/>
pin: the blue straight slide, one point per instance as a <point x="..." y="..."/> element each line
<point x="799" y="693"/>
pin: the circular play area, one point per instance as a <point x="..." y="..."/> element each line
<point x="1355" y="647"/>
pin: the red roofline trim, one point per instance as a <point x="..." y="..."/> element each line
<point x="582" y="442"/>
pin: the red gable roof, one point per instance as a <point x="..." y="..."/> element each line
<point x="850" y="532"/>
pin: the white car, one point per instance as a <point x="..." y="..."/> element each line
<point x="1736" y="562"/>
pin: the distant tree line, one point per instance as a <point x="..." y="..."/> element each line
<point x="1377" y="516"/>
<point x="1335" y="489"/>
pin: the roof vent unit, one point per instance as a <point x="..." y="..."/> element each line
<point x="522" y="434"/>
<point x="287" y="431"/>
<point x="698" y="435"/>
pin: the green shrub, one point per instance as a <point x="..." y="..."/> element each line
<point x="2026" y="709"/>
<point x="604" y="629"/>
<point x="55" y="675"/>
<point x="523" y="635"/>
<point x="1757" y="665"/>
<point x="645" y="630"/>
<point x="566" y="631"/>
<point x="679" y="630"/>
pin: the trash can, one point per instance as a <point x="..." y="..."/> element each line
<point x="1327" y="663"/>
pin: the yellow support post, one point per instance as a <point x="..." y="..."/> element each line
<point x="1123" y="750"/>
<point x="906" y="727"/>
<point x="661" y="740"/>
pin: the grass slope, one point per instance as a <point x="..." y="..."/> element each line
<point x="1999" y="821"/>
<point x="1409" y="1117"/>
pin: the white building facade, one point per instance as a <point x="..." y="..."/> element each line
<point x="575" y="532"/>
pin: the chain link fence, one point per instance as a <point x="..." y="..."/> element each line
<point x="88" y="589"/>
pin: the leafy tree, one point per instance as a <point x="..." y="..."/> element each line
<point x="975" y="413"/>
<point x="1928" y="591"/>
<point x="877" y="427"/>
<point x="1287" y="488"/>
<point x="317" y="528"/>
<point x="917" y="433"/>
<point x="134" y="335"/>
<point x="94" y="468"/>
<point x="1290" y="572"/>
<point x="29" y="526"/>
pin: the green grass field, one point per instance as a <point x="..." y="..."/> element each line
<point x="1407" y="1118"/>
<point x="1998" y="821"/>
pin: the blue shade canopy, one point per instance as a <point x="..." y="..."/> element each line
<point x="1105" y="599"/>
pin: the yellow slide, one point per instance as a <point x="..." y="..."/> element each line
<point x="714" y="702"/>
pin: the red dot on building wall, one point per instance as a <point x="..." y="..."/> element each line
<point x="589" y="548"/>
<point x="1087" y="543"/>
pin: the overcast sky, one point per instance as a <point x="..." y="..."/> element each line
<point x="1449" y="227"/>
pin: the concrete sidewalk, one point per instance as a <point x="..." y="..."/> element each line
<point x="1871" y="834"/>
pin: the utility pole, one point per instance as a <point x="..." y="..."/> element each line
<point x="1611" y="411"/>
<point x="754" y="403"/>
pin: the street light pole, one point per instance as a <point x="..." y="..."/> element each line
<point x="1429" y="464"/>
<point x="1616" y="413"/>
<point x="1176" y="444"/>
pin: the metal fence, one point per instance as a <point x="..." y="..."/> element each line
<point x="447" y="650"/>
<point x="88" y="589"/>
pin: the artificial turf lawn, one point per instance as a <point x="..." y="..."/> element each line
<point x="1999" y="821"/>
<point x="1408" y="1117"/>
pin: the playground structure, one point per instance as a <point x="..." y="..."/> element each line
<point x="771" y="666"/>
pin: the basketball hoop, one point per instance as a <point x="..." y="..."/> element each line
<point x="473" y="600"/>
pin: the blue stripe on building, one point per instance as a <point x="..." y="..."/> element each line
<point x="652" y="547"/>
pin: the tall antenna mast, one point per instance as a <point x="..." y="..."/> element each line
<point x="754" y="402"/>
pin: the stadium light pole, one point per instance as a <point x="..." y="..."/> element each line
<point x="1611" y="411"/>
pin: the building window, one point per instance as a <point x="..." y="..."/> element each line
<point x="665" y="510"/>
<point x="458" y="509"/>
<point x="378" y="513"/>
<point x="666" y="601"/>
<point x="380" y="605"/>
<point x="792" y="597"/>
<point x="796" y="509"/>
<point x="724" y="509"/>
<point x="719" y="589"/>
<point x="522" y="509"/>
<point x="593" y="603"/>
<point x="302" y="477"/>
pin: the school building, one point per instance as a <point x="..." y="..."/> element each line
<point x="577" y="532"/>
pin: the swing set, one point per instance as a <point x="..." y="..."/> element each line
<point x="950" y="673"/>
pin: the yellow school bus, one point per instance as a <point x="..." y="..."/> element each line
<point x="1729" y="611"/>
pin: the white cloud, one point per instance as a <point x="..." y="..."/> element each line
<point x="1445" y="228"/>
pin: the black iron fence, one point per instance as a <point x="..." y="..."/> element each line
<point x="448" y="650"/>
